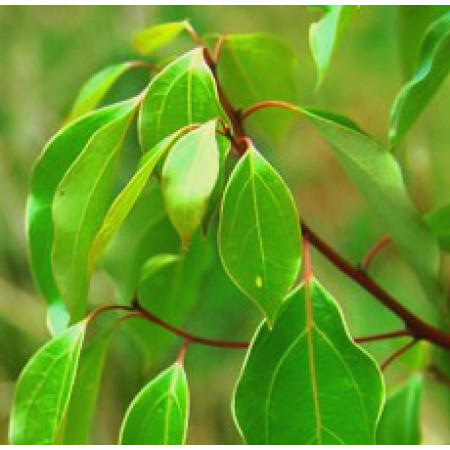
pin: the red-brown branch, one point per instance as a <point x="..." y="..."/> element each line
<point x="397" y="354"/>
<point x="378" y="246"/>
<point x="382" y="336"/>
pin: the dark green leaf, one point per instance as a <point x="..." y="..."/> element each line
<point x="256" y="67"/>
<point x="305" y="381"/>
<point x="189" y="176"/>
<point x="159" y="413"/>
<point x="79" y="206"/>
<point x="259" y="235"/>
<point x="57" y="157"/>
<point x="182" y="94"/>
<point x="430" y="71"/>
<point x="324" y="35"/>
<point x="44" y="388"/>
<point x="96" y="87"/>
<point x="439" y="222"/>
<point x="400" y="421"/>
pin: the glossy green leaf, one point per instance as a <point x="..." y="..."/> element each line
<point x="430" y="71"/>
<point x="125" y="201"/>
<point x="259" y="235"/>
<point x="156" y="263"/>
<point x="439" y="222"/>
<point x="153" y="38"/>
<point x="189" y="175"/>
<point x="81" y="409"/>
<point x="305" y="381"/>
<point x="44" y="388"/>
<point x="57" y="157"/>
<point x="96" y="88"/>
<point x="182" y="94"/>
<point x="256" y="67"/>
<point x="325" y="34"/>
<point x="400" y="421"/>
<point x="80" y="203"/>
<point x="159" y="413"/>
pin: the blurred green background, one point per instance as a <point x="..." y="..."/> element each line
<point x="46" y="53"/>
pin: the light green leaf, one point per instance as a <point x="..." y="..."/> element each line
<point x="156" y="263"/>
<point x="153" y="38"/>
<point x="96" y="87"/>
<point x="305" y="381"/>
<point x="400" y="421"/>
<point x="125" y="201"/>
<point x="189" y="175"/>
<point x="81" y="409"/>
<point x="259" y="235"/>
<point x="430" y="71"/>
<point x="324" y="35"/>
<point x="44" y="388"/>
<point x="182" y="94"/>
<point x="57" y="157"/>
<point x="79" y="205"/>
<point x="256" y="67"/>
<point x="439" y="222"/>
<point x="159" y="413"/>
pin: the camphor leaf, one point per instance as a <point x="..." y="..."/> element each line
<point x="305" y="381"/>
<point x="182" y="94"/>
<point x="153" y="38"/>
<point x="324" y="35"/>
<point x="80" y="411"/>
<point x="439" y="222"/>
<point x="156" y="263"/>
<point x="431" y="69"/>
<point x="125" y="201"/>
<point x="259" y="235"/>
<point x="400" y="421"/>
<point x="44" y="389"/>
<point x="96" y="87"/>
<point x="79" y="205"/>
<point x="189" y="175"/>
<point x="159" y="413"/>
<point x="55" y="160"/>
<point x="256" y="67"/>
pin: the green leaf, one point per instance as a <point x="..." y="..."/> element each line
<point x="81" y="409"/>
<point x="325" y="34"/>
<point x="439" y="222"/>
<point x="125" y="201"/>
<point x="400" y="421"/>
<point x="44" y="388"/>
<point x="256" y="67"/>
<point x="159" y="413"/>
<point x="430" y="71"/>
<point x="182" y="94"/>
<point x="96" y="88"/>
<point x="189" y="176"/>
<point x="79" y="206"/>
<point x="155" y="263"/>
<point x="305" y="381"/>
<point x="259" y="235"/>
<point x="153" y="38"/>
<point x="57" y="157"/>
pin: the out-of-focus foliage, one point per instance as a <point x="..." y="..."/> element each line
<point x="48" y="53"/>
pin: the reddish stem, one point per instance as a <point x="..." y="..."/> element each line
<point x="397" y="354"/>
<point x="382" y="336"/>
<point x="378" y="246"/>
<point x="307" y="258"/>
<point x="183" y="352"/>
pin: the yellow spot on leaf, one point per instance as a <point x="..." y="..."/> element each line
<point x="258" y="282"/>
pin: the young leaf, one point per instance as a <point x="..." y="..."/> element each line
<point x="96" y="87"/>
<point x="159" y="413"/>
<point x="189" y="175"/>
<point x="79" y="205"/>
<point x="257" y="67"/>
<point x="182" y="94"/>
<point x="305" y="381"/>
<point x="125" y="201"/>
<point x="44" y="388"/>
<point x="156" y="263"/>
<point x="259" y="235"/>
<point x="80" y="411"/>
<point x="153" y="38"/>
<point x="400" y="421"/>
<point x="324" y="35"/>
<point x="55" y="160"/>
<point x="431" y="69"/>
<point x="439" y="222"/>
